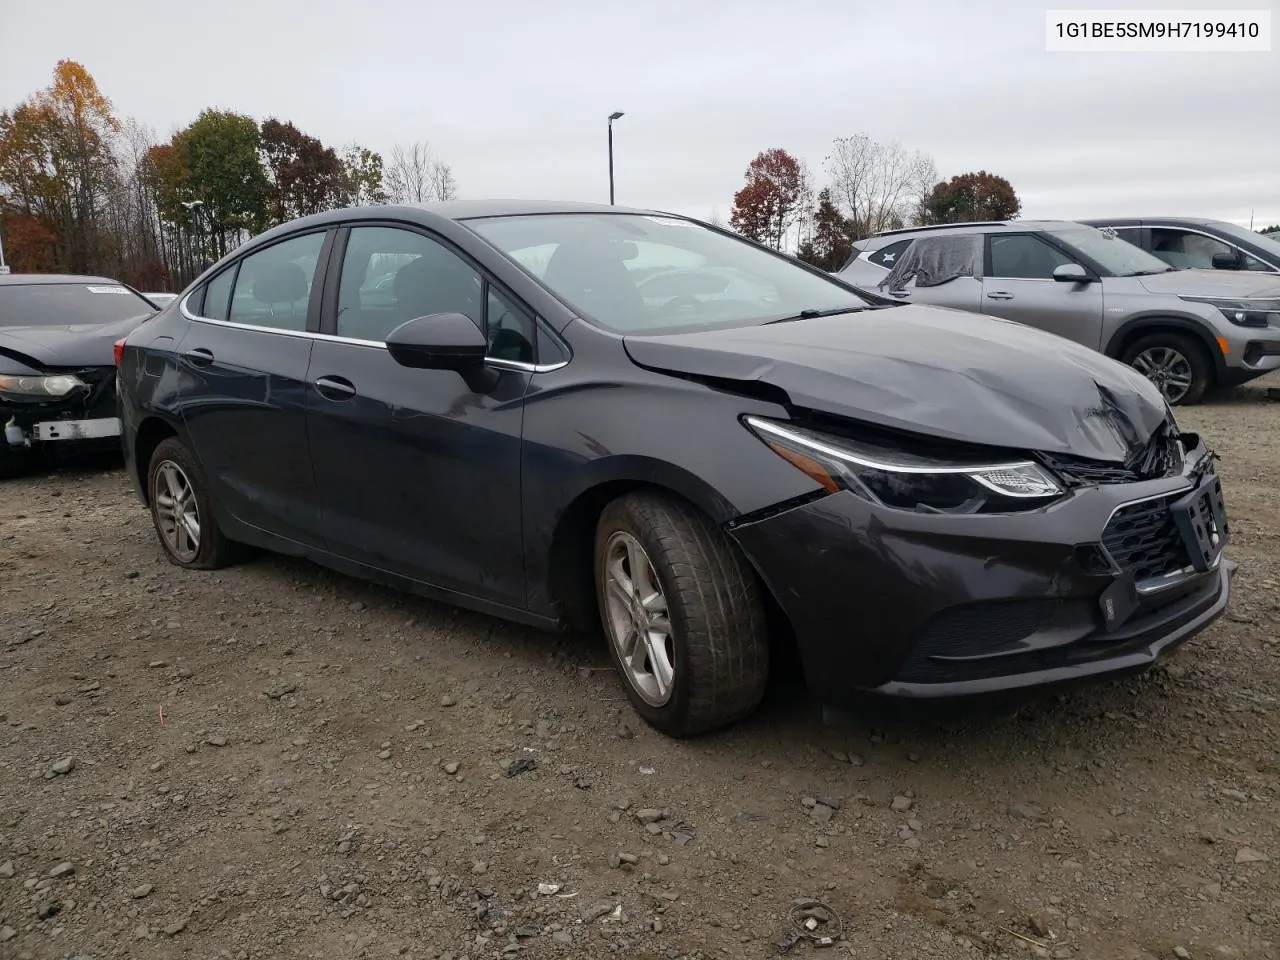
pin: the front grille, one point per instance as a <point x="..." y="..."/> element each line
<point x="1161" y="457"/>
<point x="1142" y="537"/>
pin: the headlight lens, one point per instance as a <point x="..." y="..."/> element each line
<point x="39" y="388"/>
<point x="1245" y="313"/>
<point x="901" y="480"/>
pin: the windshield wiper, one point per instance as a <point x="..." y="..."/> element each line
<point x="1152" y="273"/>
<point x="811" y="314"/>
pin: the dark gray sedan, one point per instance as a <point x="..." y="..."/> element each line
<point x="511" y="407"/>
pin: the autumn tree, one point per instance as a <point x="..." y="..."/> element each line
<point x="226" y="177"/>
<point x="305" y="176"/>
<point x="773" y="199"/>
<point x="828" y="245"/>
<point x="972" y="197"/>
<point x="363" y="169"/>
<point x="417" y="175"/>
<point x="878" y="186"/>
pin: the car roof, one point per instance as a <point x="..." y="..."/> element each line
<point x="982" y="226"/>
<point x="27" y="279"/>
<point x="1172" y="221"/>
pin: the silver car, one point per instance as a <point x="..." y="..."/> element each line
<point x="1186" y="330"/>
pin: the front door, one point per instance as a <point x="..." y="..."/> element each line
<point x="1019" y="286"/>
<point x="245" y="361"/>
<point x="418" y="471"/>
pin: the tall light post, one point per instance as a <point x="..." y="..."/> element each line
<point x="612" y="117"/>
<point x="194" y="209"/>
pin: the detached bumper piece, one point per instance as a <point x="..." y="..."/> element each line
<point x="894" y="602"/>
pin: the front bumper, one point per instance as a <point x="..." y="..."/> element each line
<point x="921" y="605"/>
<point x="85" y="419"/>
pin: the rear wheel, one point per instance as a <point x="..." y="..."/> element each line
<point x="1175" y="363"/>
<point x="181" y="509"/>
<point x="683" y="614"/>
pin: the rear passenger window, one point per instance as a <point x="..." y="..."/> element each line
<point x="217" y="295"/>
<point x="273" y="286"/>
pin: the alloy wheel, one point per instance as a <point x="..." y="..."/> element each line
<point x="638" y="619"/>
<point x="177" y="513"/>
<point x="1168" y="369"/>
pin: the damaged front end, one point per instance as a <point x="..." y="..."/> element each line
<point x="928" y="569"/>
<point x="56" y="409"/>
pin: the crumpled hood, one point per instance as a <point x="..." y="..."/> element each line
<point x="78" y="345"/>
<point x="945" y="373"/>
<point x="1226" y="284"/>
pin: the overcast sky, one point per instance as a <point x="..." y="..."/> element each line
<point x="514" y="95"/>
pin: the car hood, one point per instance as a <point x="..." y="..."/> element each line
<point x="926" y="370"/>
<point x="1226" y="284"/>
<point x="75" y="345"/>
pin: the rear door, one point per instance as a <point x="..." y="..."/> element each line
<point x="244" y="361"/>
<point x="1018" y="285"/>
<point x="418" y="471"/>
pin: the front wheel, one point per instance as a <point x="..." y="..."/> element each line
<point x="1175" y="363"/>
<point x="683" y="614"/>
<point x="181" y="509"/>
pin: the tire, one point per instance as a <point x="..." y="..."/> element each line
<point x="1196" y="360"/>
<point x="715" y="639"/>
<point x="212" y="549"/>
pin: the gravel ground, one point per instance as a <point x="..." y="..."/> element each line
<point x="274" y="761"/>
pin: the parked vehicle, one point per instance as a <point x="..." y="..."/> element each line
<point x="57" y="369"/>
<point x="1186" y="330"/>
<point x="926" y="503"/>
<point x="1184" y="242"/>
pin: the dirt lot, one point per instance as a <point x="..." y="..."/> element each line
<point x="274" y="761"/>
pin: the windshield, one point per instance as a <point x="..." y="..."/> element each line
<point x="637" y="274"/>
<point x="1263" y="241"/>
<point x="62" y="304"/>
<point x="1118" y="257"/>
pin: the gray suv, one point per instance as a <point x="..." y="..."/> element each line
<point x="1186" y="330"/>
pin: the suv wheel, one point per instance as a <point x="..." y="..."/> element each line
<point x="683" y="614"/>
<point x="1175" y="363"/>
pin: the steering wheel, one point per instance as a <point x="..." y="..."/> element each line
<point x="684" y="301"/>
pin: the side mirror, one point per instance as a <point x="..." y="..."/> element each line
<point x="1072" y="273"/>
<point x="441" y="341"/>
<point x="1226" y="261"/>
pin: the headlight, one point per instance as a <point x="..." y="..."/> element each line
<point x="1245" y="313"/>
<point x="39" y="388"/>
<point x="897" y="479"/>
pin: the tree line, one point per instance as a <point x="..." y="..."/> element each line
<point x="83" y="191"/>
<point x="871" y="186"/>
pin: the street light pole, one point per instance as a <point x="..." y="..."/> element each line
<point x="612" y="117"/>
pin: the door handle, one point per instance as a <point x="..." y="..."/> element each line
<point x="335" y="388"/>
<point x="198" y="356"/>
<point x="999" y="295"/>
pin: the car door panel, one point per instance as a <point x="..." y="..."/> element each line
<point x="417" y="471"/>
<point x="245" y="397"/>
<point x="1019" y="286"/>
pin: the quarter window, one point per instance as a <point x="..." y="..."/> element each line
<point x="1024" y="257"/>
<point x="888" y="256"/>
<point x="217" y="295"/>
<point x="273" y="286"/>
<point x="510" y="331"/>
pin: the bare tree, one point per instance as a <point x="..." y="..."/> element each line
<point x="879" y="185"/>
<point x="417" y="175"/>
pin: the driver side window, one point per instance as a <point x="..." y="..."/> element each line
<point x="391" y="275"/>
<point x="1024" y="257"/>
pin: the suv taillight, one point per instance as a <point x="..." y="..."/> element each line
<point x="118" y="348"/>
